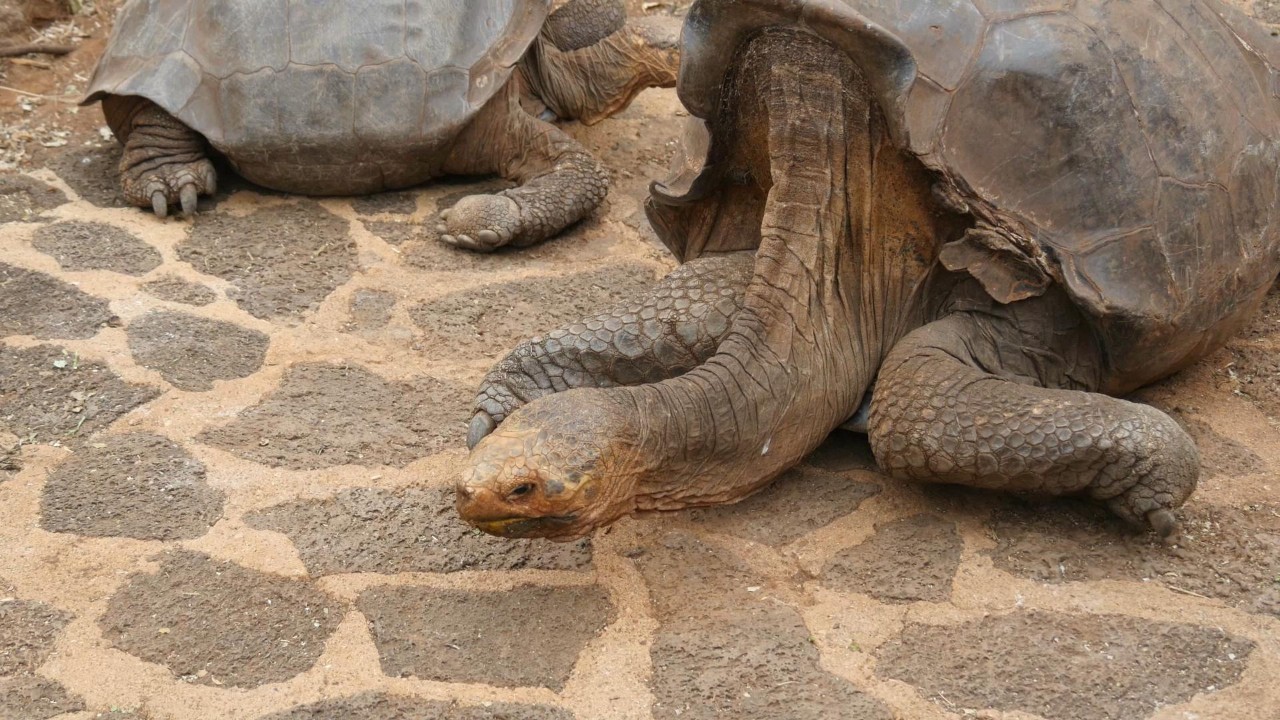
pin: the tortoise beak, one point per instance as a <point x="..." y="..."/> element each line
<point x="486" y="510"/>
<point x="480" y="504"/>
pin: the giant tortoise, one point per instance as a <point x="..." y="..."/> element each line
<point x="359" y="96"/>
<point x="1003" y="214"/>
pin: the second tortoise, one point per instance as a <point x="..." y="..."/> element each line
<point x="357" y="97"/>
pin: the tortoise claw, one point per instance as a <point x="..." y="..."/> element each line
<point x="481" y="426"/>
<point x="189" y="198"/>
<point x="465" y="241"/>
<point x="159" y="204"/>
<point x="1165" y="523"/>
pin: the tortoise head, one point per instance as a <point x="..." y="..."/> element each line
<point x="558" y="468"/>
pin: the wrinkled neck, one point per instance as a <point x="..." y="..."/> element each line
<point x="848" y="238"/>
<point x="600" y="80"/>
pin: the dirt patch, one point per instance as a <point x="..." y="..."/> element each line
<point x="1064" y="667"/>
<point x="35" y="698"/>
<point x="381" y="706"/>
<point x="1256" y="375"/>
<point x="36" y="304"/>
<point x="1255" y="368"/>
<point x="1219" y="455"/>
<point x="526" y="636"/>
<point x="10" y="463"/>
<point x="12" y="21"/>
<point x="393" y="233"/>
<point x="382" y="531"/>
<point x="326" y="415"/>
<point x="796" y="504"/>
<point x="96" y="246"/>
<point x="843" y="451"/>
<point x="910" y="560"/>
<point x="94" y="174"/>
<point x="728" y="647"/>
<point x="428" y="253"/>
<point x="218" y="623"/>
<point x="28" y="631"/>
<point x="491" y="319"/>
<point x="22" y="198"/>
<point x="192" y="352"/>
<point x="139" y="485"/>
<point x="284" y="260"/>
<point x="50" y="395"/>
<point x="17" y="17"/>
<point x="1267" y="11"/>
<point x="404" y="202"/>
<point x="370" y="310"/>
<point x="175" y="289"/>
<point x="1232" y="554"/>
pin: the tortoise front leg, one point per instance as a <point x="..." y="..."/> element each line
<point x="560" y="182"/>
<point x="165" y="163"/>
<point x="939" y="416"/>
<point x="673" y="329"/>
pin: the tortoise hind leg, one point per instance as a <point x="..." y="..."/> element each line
<point x="560" y="182"/>
<point x="671" y="330"/>
<point x="963" y="401"/>
<point x="165" y="163"/>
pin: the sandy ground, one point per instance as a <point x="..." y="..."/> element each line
<point x="227" y="447"/>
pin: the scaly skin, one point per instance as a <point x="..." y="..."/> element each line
<point x="673" y="329"/>
<point x="165" y="163"/>
<point x="937" y="417"/>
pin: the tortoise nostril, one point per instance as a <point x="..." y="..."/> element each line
<point x="465" y="492"/>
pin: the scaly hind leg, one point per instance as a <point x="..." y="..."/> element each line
<point x="165" y="163"/>
<point x="671" y="330"/>
<point x="958" y="401"/>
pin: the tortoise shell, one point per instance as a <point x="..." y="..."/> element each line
<point x="1126" y="150"/>
<point x="319" y="85"/>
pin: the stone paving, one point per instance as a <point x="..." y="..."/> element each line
<point x="227" y="448"/>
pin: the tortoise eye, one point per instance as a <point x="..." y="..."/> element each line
<point x="523" y="489"/>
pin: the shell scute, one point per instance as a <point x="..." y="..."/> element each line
<point x="227" y="36"/>
<point x="943" y="35"/>
<point x="1065" y="149"/>
<point x="277" y="78"/>
<point x="350" y="34"/>
<point x="1174" y="89"/>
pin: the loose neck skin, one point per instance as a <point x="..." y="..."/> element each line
<point x="848" y="238"/>
<point x="594" y="82"/>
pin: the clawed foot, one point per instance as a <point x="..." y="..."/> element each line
<point x="482" y="426"/>
<point x="482" y="223"/>
<point x="175" y="185"/>
<point x="1144" y="510"/>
